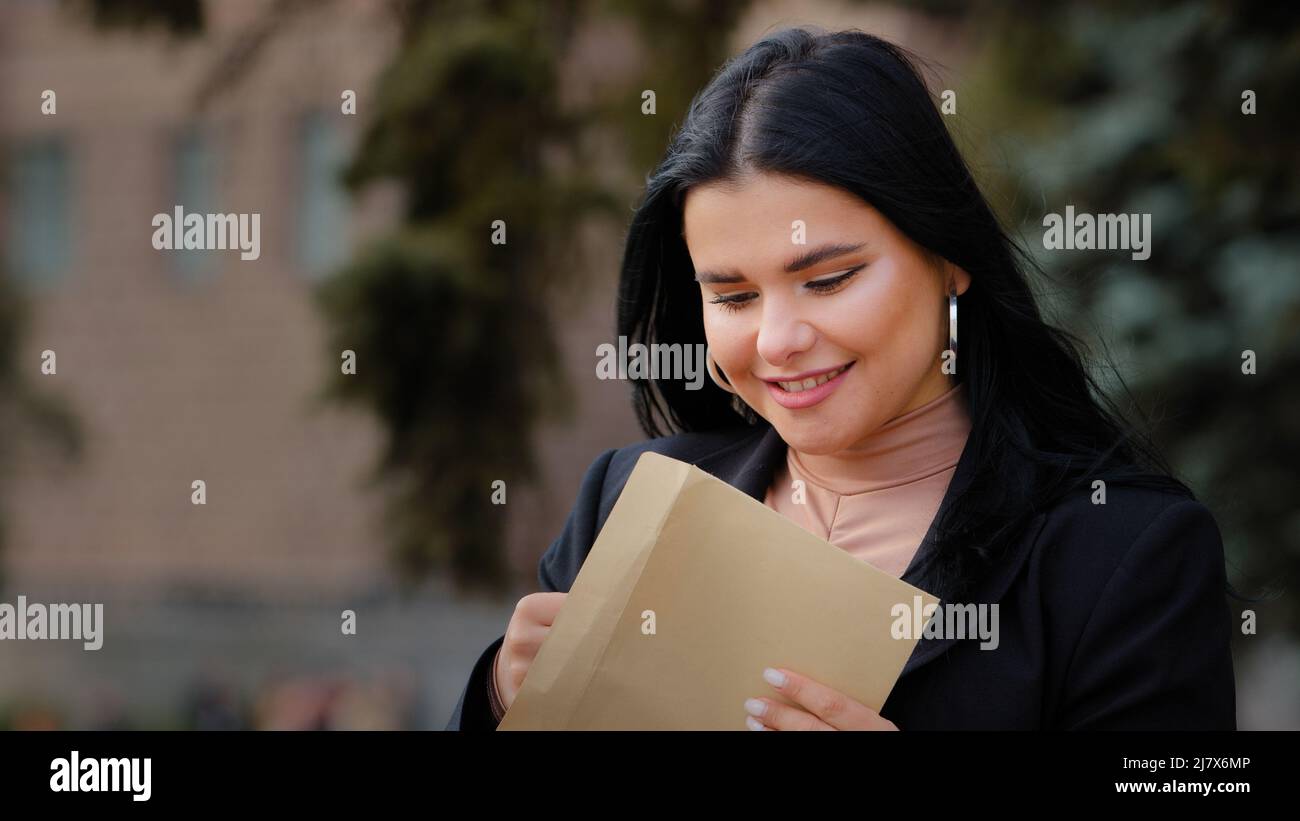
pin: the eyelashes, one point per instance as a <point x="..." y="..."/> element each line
<point x="830" y="285"/>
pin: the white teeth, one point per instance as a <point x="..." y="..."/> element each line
<point x="796" y="387"/>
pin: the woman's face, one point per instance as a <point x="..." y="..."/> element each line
<point x="857" y="294"/>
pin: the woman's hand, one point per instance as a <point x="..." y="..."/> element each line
<point x="528" y="628"/>
<point x="823" y="707"/>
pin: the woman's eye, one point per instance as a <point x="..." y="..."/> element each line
<point x="732" y="303"/>
<point x="823" y="286"/>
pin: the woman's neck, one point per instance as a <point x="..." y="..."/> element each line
<point x="920" y="443"/>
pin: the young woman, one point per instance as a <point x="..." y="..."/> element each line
<point x="872" y="336"/>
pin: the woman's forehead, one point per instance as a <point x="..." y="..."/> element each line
<point x="762" y="218"/>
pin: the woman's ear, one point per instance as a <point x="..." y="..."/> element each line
<point x="955" y="276"/>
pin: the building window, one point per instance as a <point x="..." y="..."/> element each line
<point x="194" y="175"/>
<point x="40" y="206"/>
<point x="322" y="226"/>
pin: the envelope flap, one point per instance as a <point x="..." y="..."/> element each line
<point x="570" y="655"/>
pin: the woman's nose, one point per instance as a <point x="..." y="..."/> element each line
<point x="783" y="334"/>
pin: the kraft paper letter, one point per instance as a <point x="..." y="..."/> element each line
<point x="690" y="590"/>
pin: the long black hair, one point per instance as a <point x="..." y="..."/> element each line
<point x="851" y="110"/>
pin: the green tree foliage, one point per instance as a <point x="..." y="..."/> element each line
<point x="452" y="331"/>
<point x="1139" y="109"/>
<point x="456" y="336"/>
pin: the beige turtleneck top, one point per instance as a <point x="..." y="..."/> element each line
<point x="877" y="499"/>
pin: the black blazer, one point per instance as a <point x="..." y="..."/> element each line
<point x="1111" y="616"/>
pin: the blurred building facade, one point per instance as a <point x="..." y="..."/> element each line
<point x="186" y="365"/>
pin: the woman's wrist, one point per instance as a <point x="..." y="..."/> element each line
<point x="494" y="695"/>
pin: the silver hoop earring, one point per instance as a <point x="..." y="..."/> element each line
<point x="952" y="325"/>
<point x="716" y="374"/>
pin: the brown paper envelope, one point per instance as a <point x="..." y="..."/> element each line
<point x="729" y="586"/>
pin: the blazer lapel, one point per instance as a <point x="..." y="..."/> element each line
<point x="996" y="581"/>
<point x="750" y="464"/>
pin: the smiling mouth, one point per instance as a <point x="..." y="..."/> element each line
<point x="812" y="382"/>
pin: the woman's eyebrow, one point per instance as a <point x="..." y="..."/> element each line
<point x="830" y="250"/>
<point x="807" y="259"/>
<point x="725" y="276"/>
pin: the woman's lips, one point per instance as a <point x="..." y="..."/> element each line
<point x="795" y="400"/>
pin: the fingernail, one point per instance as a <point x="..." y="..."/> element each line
<point x="774" y="677"/>
<point x="755" y="707"/>
<point x="753" y="723"/>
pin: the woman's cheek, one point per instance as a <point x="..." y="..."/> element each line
<point x="714" y="332"/>
<point x="725" y="343"/>
<point x="857" y="328"/>
<point x="892" y="326"/>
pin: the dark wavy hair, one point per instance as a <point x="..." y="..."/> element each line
<point x="850" y="110"/>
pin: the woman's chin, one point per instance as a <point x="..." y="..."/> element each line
<point x="812" y="440"/>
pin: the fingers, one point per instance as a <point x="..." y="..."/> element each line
<point x="519" y="650"/>
<point x="823" y="707"/>
<point x="541" y="608"/>
<point x="516" y="668"/>
<point x="831" y="706"/>
<point x="534" y="614"/>
<point x="766" y="714"/>
<point x="523" y="639"/>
